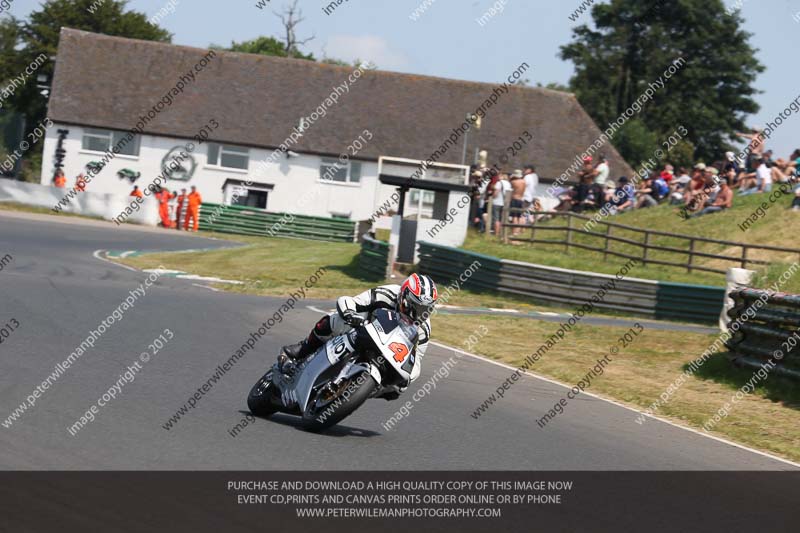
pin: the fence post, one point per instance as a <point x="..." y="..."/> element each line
<point x="606" y="248"/>
<point x="569" y="231"/>
<point x="646" y="246"/>
<point x="691" y="255"/>
<point x="488" y="216"/>
<point x="744" y="256"/>
<point x="533" y="229"/>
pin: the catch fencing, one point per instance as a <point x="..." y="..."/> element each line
<point x="249" y="221"/>
<point x="653" y="299"/>
<point x="766" y="330"/>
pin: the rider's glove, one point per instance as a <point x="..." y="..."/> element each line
<point x="352" y="318"/>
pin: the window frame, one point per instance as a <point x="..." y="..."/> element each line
<point x="109" y="136"/>
<point x="229" y="149"/>
<point x="329" y="162"/>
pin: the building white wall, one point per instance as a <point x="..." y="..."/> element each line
<point x="292" y="177"/>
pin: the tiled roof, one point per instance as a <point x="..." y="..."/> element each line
<point x="109" y="82"/>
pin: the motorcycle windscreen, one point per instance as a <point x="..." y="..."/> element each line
<point x="396" y="336"/>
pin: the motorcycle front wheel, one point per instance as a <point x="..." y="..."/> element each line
<point x="327" y="407"/>
<point x="260" y="400"/>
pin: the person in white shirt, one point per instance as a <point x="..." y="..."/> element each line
<point x="763" y="179"/>
<point x="501" y="187"/>
<point x="602" y="171"/>
<point x="531" y="184"/>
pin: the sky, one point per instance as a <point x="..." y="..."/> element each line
<point x="447" y="39"/>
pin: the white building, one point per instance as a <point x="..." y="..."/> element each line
<point x="275" y="126"/>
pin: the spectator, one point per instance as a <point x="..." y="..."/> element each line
<point x="794" y="162"/>
<point x="587" y="171"/>
<point x="781" y="171"/>
<point x="668" y="170"/>
<point x="696" y="186"/>
<point x="763" y="179"/>
<point x="487" y="190"/>
<point x="755" y="146"/>
<point x="657" y="190"/>
<point x="498" y="191"/>
<point x="723" y="200"/>
<point x="60" y="180"/>
<point x="678" y="186"/>
<point x="582" y="198"/>
<point x="517" y="205"/>
<point x="645" y="196"/>
<point x="796" y="200"/>
<point x="531" y="184"/>
<point x="136" y="192"/>
<point x="625" y="195"/>
<point x="731" y="163"/>
<point x="602" y="171"/>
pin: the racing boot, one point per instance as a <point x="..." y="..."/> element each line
<point x="301" y="350"/>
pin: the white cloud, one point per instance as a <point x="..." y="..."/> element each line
<point x="367" y="48"/>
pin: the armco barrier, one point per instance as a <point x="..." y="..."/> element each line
<point x="249" y="221"/>
<point x="767" y="322"/>
<point x="374" y="258"/>
<point x="694" y="303"/>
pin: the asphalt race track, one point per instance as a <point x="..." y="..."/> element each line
<point x="58" y="291"/>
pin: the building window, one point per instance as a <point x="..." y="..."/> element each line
<point x="223" y="155"/>
<point x="96" y="140"/>
<point x="333" y="170"/>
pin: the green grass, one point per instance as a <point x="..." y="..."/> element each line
<point x="277" y="266"/>
<point x="778" y="227"/>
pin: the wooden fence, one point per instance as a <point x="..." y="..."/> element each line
<point x="644" y="244"/>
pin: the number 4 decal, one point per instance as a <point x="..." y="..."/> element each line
<point x="400" y="351"/>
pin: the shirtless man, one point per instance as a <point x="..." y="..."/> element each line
<point x="756" y="146"/>
<point x="517" y="195"/>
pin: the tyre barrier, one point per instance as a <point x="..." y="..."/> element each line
<point x="640" y="297"/>
<point x="764" y="329"/>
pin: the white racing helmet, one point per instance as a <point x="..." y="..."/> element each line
<point x="417" y="296"/>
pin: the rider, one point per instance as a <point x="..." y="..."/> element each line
<point x="416" y="298"/>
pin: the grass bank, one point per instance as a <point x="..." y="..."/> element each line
<point x="778" y="227"/>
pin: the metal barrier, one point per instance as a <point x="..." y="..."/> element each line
<point x="654" y="299"/>
<point x="764" y="330"/>
<point x="374" y="258"/>
<point x="249" y="221"/>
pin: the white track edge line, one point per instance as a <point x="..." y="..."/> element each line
<point x="96" y="255"/>
<point x="629" y="408"/>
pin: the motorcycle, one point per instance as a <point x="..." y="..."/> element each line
<point x="373" y="360"/>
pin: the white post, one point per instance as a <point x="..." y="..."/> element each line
<point x="737" y="278"/>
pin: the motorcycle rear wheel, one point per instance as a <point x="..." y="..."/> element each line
<point x="260" y="400"/>
<point x="322" y="413"/>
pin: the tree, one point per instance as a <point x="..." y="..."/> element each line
<point x="555" y="86"/>
<point x="268" y="46"/>
<point x="633" y="44"/>
<point x="290" y="17"/>
<point x="23" y="41"/>
<point x="40" y="34"/>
